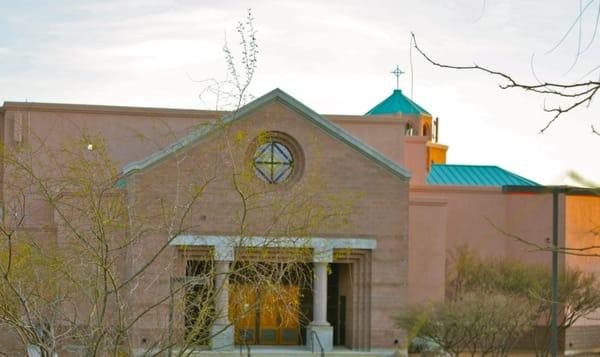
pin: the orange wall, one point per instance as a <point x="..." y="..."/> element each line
<point x="583" y="230"/>
<point x="436" y="154"/>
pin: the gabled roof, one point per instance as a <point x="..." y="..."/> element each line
<point x="274" y="95"/>
<point x="475" y="175"/>
<point x="397" y="103"/>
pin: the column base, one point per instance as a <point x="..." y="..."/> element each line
<point x="325" y="334"/>
<point x="223" y="337"/>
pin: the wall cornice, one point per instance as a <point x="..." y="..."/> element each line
<point x="455" y="189"/>
<point x="110" y="109"/>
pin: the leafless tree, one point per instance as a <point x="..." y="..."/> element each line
<point x="89" y="271"/>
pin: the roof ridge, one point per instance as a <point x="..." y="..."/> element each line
<point x="397" y="102"/>
<point x="276" y="94"/>
<point x="467" y="165"/>
<point x="515" y="174"/>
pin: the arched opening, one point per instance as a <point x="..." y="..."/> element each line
<point x="408" y="130"/>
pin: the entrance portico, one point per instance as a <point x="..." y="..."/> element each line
<point x="324" y="252"/>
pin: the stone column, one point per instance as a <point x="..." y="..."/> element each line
<point x="222" y="330"/>
<point x="320" y="294"/>
<point x="319" y="325"/>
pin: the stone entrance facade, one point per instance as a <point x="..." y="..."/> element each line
<point x="319" y="332"/>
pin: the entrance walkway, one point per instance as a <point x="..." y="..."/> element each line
<point x="294" y="351"/>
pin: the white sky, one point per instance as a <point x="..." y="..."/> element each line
<point x="334" y="56"/>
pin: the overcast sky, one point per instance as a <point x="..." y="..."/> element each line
<point x="334" y="56"/>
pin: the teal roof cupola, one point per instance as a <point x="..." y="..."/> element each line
<point x="397" y="103"/>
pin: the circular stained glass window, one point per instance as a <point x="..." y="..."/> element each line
<point x="273" y="162"/>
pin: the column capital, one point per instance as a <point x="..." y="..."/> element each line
<point x="323" y="254"/>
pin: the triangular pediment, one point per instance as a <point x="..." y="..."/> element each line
<point x="275" y="95"/>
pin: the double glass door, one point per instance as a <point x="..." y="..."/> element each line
<point x="267" y="315"/>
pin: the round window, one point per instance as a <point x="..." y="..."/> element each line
<point x="273" y="162"/>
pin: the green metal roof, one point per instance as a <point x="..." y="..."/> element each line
<point x="475" y="175"/>
<point x="397" y="103"/>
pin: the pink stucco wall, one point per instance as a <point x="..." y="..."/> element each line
<point x="130" y="133"/>
<point x="440" y="218"/>
<point x="381" y="211"/>
<point x="415" y="158"/>
<point x="529" y="216"/>
<point x="427" y="248"/>
<point x="383" y="133"/>
<point x="480" y="218"/>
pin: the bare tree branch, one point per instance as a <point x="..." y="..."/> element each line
<point x="577" y="94"/>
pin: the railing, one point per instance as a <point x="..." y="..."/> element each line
<point x="314" y="334"/>
<point x="244" y="343"/>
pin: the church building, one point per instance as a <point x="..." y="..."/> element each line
<point x="385" y="212"/>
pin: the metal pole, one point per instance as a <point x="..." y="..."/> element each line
<point x="171" y="303"/>
<point x="554" y="326"/>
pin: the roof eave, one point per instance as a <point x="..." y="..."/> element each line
<point x="276" y="94"/>
<point x="568" y="190"/>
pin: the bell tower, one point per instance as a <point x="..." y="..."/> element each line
<point x="421" y="147"/>
<point x="436" y="153"/>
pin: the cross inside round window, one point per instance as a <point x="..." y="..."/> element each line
<point x="273" y="162"/>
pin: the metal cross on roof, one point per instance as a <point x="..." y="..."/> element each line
<point x="397" y="72"/>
